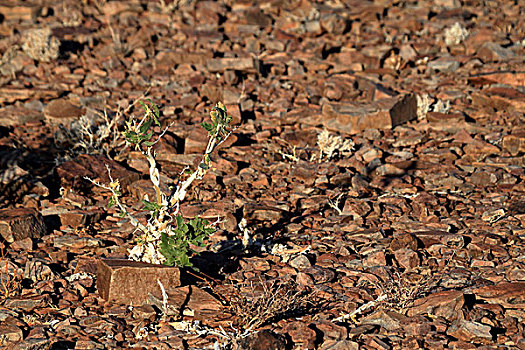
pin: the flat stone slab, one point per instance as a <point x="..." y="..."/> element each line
<point x="354" y="118"/>
<point x="20" y="223"/>
<point x="126" y="281"/>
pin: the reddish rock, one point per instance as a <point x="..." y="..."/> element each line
<point x="352" y="118"/>
<point x="126" y="281"/>
<point x="506" y="294"/>
<point x="62" y="111"/>
<point x="20" y="223"/>
<point x="470" y="331"/>
<point x="446" y="304"/>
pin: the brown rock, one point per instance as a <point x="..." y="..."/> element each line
<point x="340" y="345"/>
<point x="446" y="304"/>
<point x="389" y="320"/>
<point x="73" y="173"/>
<point x="407" y="258"/>
<point x="506" y="294"/>
<point x="11" y="94"/>
<point x="514" y="144"/>
<point x="10" y="334"/>
<point x="403" y="241"/>
<point x="62" y="111"/>
<point x="380" y="114"/>
<point x="247" y="64"/>
<point x="301" y="334"/>
<point x="17" y="224"/>
<point x="19" y="12"/>
<point x="126" y="281"/>
<point x="470" y="331"/>
<point x="189" y="301"/>
<point x="263" y="340"/>
<point x="494" y="52"/>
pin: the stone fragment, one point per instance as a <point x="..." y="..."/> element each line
<point x="470" y="331"/>
<point x="27" y="303"/>
<point x="508" y="294"/>
<point x="403" y="241"/>
<point x="444" y="64"/>
<point x="10" y="334"/>
<point x="247" y="64"/>
<point x="340" y="345"/>
<point x="33" y="343"/>
<point x="16" y="11"/>
<point x="72" y="173"/>
<point x="263" y="340"/>
<point x="126" y="281"/>
<point x="190" y="301"/>
<point x="514" y="144"/>
<point x="491" y="51"/>
<point x="38" y="271"/>
<point x="407" y="258"/>
<point x="389" y="320"/>
<point x="446" y="304"/>
<point x="9" y="94"/>
<point x="354" y="118"/>
<point x="302" y="335"/>
<point x="62" y="111"/>
<point x="20" y="223"/>
<point x="300" y="262"/>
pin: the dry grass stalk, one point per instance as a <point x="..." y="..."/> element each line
<point x="254" y="304"/>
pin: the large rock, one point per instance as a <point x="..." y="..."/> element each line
<point x="446" y="304"/>
<point x="127" y="281"/>
<point x="354" y="118"/>
<point x="20" y="223"/>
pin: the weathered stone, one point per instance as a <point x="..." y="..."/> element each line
<point x="301" y="334"/>
<point x="190" y="301"/>
<point x="506" y="294"/>
<point x="62" y="111"/>
<point x="514" y="144"/>
<point x="263" y="340"/>
<point x="126" y="281"/>
<point x="10" y="334"/>
<point x="300" y="262"/>
<point x="353" y="118"/>
<point x="247" y="64"/>
<point x="20" y="223"/>
<point x="494" y="52"/>
<point x="446" y="304"/>
<point x="72" y="173"/>
<point x="27" y="303"/>
<point x="470" y="331"/>
<point x="389" y="320"/>
<point x="340" y="345"/>
<point x="38" y="271"/>
<point x="18" y="11"/>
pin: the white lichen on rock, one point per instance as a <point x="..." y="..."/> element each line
<point x="40" y="45"/>
<point x="455" y="34"/>
<point x="426" y="104"/>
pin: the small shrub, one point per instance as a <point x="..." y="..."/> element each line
<point x="166" y="238"/>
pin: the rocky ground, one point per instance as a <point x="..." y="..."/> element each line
<point x="378" y="164"/>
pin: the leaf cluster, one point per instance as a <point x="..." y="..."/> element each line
<point x="140" y="135"/>
<point x="177" y="246"/>
<point x="220" y="121"/>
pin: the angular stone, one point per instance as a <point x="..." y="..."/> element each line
<point x="470" y="331"/>
<point x="10" y="334"/>
<point x="20" y="223"/>
<point x="407" y="258"/>
<point x="263" y="340"/>
<point x="126" y="281"/>
<point x="514" y="144"/>
<point x="340" y="345"/>
<point x="38" y="271"/>
<point x="446" y="304"/>
<point x="507" y="294"/>
<point x="494" y="52"/>
<point x="62" y="111"/>
<point x="300" y="262"/>
<point x="389" y="320"/>
<point x="302" y="335"/>
<point x="354" y="118"/>
<point x="72" y="173"/>
<point x="19" y="12"/>
<point x="190" y="301"/>
<point x="246" y="64"/>
<point x="27" y="303"/>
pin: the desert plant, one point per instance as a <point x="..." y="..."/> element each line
<point x="166" y="238"/>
